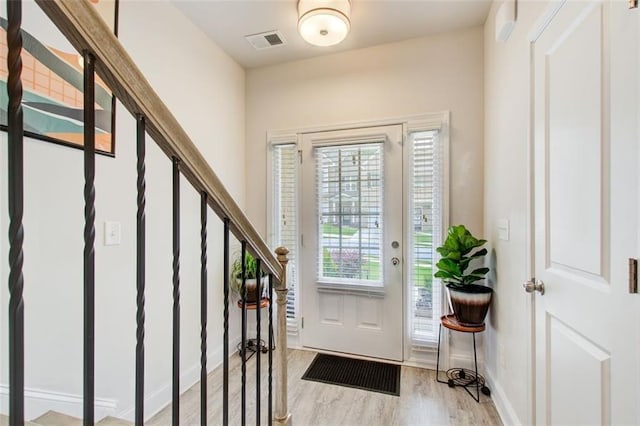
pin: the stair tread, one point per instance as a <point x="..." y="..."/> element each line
<point x="113" y="421"/>
<point x="4" y="421"/>
<point x="54" y="418"/>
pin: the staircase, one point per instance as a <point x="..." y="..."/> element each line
<point x="104" y="56"/>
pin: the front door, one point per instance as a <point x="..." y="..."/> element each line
<point x="351" y="257"/>
<point x="585" y="88"/>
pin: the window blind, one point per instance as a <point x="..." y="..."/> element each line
<point x="349" y="199"/>
<point x="425" y="210"/>
<point x="285" y="205"/>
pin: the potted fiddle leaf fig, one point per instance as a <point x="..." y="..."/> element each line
<point x="470" y="301"/>
<point x="251" y="283"/>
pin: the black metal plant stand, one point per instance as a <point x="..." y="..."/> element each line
<point x="255" y="345"/>
<point x="462" y="376"/>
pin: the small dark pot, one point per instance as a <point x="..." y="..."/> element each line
<point x="470" y="302"/>
<point x="253" y="294"/>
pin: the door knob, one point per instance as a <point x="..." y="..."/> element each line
<point x="534" y="285"/>
<point x="395" y="261"/>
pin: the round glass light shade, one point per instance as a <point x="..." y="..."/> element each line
<point x="323" y="23"/>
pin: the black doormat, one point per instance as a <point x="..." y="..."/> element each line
<point x="355" y="373"/>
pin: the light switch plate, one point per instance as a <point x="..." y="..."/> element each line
<point x="503" y="229"/>
<point x="112" y="233"/>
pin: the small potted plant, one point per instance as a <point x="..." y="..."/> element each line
<point x="253" y="292"/>
<point x="469" y="301"/>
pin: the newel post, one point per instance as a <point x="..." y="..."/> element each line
<point x="282" y="415"/>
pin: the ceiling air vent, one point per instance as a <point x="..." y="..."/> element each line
<point x="266" y="40"/>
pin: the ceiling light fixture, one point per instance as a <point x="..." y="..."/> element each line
<point x="324" y="22"/>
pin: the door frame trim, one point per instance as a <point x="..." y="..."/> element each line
<point x="429" y="121"/>
<point x="530" y="238"/>
<point x="347" y="328"/>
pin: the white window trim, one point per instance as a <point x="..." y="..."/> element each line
<point x="273" y="140"/>
<point x="353" y="140"/>
<point x="286" y="138"/>
<point x="415" y="350"/>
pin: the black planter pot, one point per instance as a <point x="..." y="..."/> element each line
<point x="470" y="302"/>
<point x="253" y="293"/>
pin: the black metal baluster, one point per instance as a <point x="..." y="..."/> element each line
<point x="244" y="332"/>
<point x="203" y="308"/>
<point x="89" y="237"/>
<point x="225" y="343"/>
<point x="16" y="203"/>
<point x="175" y="391"/>
<point x="270" y="404"/>
<point x="141" y="270"/>
<point x="258" y="344"/>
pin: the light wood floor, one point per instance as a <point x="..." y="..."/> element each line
<point x="422" y="400"/>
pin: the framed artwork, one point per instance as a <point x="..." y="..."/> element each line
<point x="52" y="80"/>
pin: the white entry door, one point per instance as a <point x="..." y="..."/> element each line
<point x="587" y="346"/>
<point x="351" y="257"/>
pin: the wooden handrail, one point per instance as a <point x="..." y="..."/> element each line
<point x="86" y="30"/>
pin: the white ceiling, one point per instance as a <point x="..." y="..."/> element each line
<point x="373" y="22"/>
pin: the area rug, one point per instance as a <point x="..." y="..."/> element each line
<point x="355" y="373"/>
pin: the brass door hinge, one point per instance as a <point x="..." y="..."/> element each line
<point x="633" y="275"/>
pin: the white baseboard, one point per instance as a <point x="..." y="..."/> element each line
<point x="38" y="402"/>
<point x="423" y="356"/>
<point x="161" y="397"/>
<point x="503" y="405"/>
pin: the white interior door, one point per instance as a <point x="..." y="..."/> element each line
<point x="585" y="76"/>
<point x="351" y="256"/>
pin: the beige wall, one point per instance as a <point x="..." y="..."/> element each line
<point x="205" y="90"/>
<point x="506" y="196"/>
<point x="417" y="76"/>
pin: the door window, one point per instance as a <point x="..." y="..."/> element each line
<point x="349" y="200"/>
